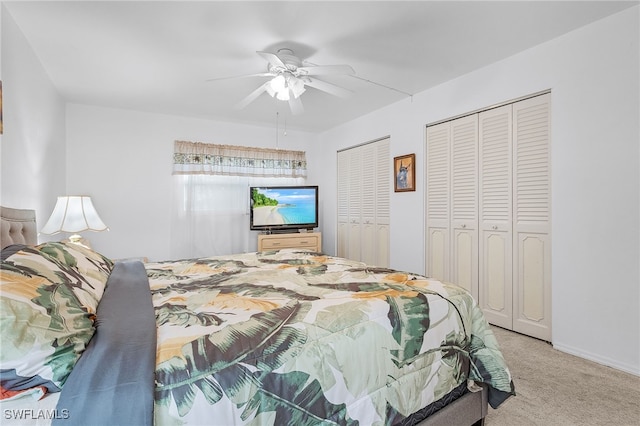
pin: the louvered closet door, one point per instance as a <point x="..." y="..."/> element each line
<point x="464" y="203"/>
<point x="438" y="195"/>
<point x="532" y="224"/>
<point x="364" y="182"/>
<point x="355" y="203"/>
<point x="495" y="209"/>
<point x="383" y="202"/>
<point x="368" y="204"/>
<point x="343" y="203"/>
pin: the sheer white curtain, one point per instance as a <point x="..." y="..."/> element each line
<point x="210" y="214"/>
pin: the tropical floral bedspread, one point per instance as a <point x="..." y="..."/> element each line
<point x="292" y="337"/>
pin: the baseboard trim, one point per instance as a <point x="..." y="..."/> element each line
<point x="627" y="368"/>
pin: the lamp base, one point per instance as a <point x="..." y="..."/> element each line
<point x="77" y="239"/>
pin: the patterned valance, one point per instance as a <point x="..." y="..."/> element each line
<point x="205" y="158"/>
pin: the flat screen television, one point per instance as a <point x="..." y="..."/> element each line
<point x="283" y="208"/>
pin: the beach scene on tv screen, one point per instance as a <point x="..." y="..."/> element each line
<point x="283" y="206"/>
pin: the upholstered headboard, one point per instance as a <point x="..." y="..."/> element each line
<point x="18" y="226"/>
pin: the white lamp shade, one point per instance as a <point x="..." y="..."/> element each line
<point x="283" y="95"/>
<point x="73" y="213"/>
<point x="278" y="83"/>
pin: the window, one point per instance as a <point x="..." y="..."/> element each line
<point x="211" y="207"/>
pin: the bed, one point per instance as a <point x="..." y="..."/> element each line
<point x="274" y="337"/>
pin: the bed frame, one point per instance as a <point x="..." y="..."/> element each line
<point x="470" y="409"/>
<point x="18" y="226"/>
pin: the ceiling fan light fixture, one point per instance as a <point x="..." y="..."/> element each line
<point x="277" y="88"/>
<point x="283" y="95"/>
<point x="289" y="79"/>
<point x="278" y="83"/>
<point x="284" y="86"/>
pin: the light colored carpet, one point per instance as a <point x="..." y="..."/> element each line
<point x="555" y="388"/>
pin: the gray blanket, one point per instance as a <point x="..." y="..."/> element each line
<point x="113" y="381"/>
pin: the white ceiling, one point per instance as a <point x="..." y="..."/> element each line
<point x="156" y="56"/>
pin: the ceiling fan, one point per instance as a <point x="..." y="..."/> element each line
<point x="290" y="79"/>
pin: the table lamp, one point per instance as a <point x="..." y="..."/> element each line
<point x="74" y="213"/>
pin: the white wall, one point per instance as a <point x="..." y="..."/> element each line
<point x="593" y="74"/>
<point x="33" y="143"/>
<point x="123" y="159"/>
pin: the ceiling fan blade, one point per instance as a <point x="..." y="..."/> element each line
<point x="326" y="70"/>
<point x="252" y="96"/>
<point x="273" y="59"/>
<point x="262" y="74"/>
<point x="295" y="104"/>
<point x="327" y="87"/>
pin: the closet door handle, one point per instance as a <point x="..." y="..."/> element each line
<point x="464" y="225"/>
<point x="494" y="227"/>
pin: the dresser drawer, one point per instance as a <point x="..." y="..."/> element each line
<point x="311" y="241"/>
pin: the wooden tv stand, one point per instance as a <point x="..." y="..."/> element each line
<point x="303" y="240"/>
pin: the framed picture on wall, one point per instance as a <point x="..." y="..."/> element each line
<point x="404" y="171"/>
